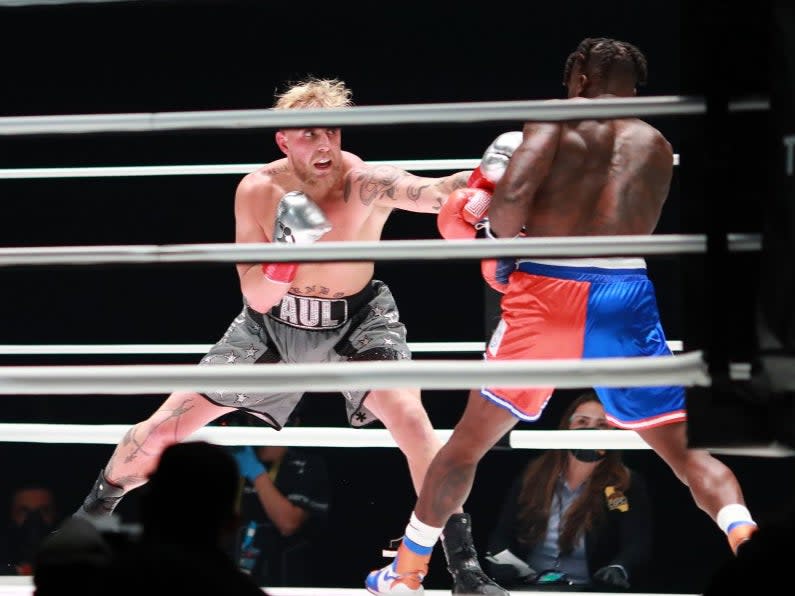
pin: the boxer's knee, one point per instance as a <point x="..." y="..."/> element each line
<point x="402" y="410"/>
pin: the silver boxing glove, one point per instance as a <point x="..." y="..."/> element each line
<point x="498" y="154"/>
<point x="299" y="220"/>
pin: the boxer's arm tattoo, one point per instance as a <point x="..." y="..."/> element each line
<point x="414" y="193"/>
<point x="445" y="186"/>
<point x="438" y="201"/>
<point x="388" y="182"/>
<point x="456" y="181"/>
<point x="378" y="182"/>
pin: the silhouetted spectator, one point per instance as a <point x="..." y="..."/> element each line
<point x="73" y="560"/>
<point x="190" y="515"/>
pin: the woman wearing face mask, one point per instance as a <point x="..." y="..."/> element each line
<point x="577" y="518"/>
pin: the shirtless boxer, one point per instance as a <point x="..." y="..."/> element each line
<point x="577" y="178"/>
<point x="312" y="312"/>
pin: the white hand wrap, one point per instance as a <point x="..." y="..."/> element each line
<point x="299" y="220"/>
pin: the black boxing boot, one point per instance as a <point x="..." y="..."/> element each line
<point x="102" y="499"/>
<point x="462" y="559"/>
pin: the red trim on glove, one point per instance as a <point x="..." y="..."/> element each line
<point x="282" y="273"/>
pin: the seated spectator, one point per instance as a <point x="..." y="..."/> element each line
<point x="32" y="516"/>
<point x="73" y="560"/>
<point x="284" y="510"/>
<point x="577" y="518"/>
<point x="189" y="517"/>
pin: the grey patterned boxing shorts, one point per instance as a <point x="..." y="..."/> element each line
<point x="307" y="329"/>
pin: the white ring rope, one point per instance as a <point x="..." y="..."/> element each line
<point x="309" y="436"/>
<point x="737" y="370"/>
<point x="111" y="434"/>
<point x="687" y="369"/>
<point x="22" y="585"/>
<point x="387" y="115"/>
<point x="15" y="3"/>
<point x="410" y="165"/>
<point x="231" y="168"/>
<point x="108" y="349"/>
<point x="390" y="250"/>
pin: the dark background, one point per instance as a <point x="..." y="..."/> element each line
<point x="174" y="56"/>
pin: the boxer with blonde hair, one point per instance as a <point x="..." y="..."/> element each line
<point x="310" y="312"/>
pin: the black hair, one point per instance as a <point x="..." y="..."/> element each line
<point x="603" y="58"/>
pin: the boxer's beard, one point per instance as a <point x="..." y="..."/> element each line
<point x="312" y="180"/>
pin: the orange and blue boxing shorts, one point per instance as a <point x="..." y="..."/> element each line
<point x="584" y="308"/>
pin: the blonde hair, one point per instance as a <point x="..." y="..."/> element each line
<point x="314" y="93"/>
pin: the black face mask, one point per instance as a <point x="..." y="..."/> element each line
<point x="588" y="455"/>
<point x="24" y="539"/>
